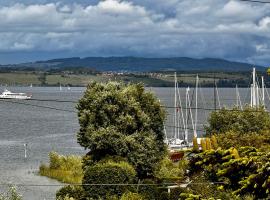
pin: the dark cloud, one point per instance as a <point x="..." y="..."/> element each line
<point x="234" y="30"/>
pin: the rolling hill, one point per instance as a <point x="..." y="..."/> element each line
<point x="138" y="64"/>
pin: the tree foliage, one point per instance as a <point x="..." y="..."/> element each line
<point x="108" y="173"/>
<point x="71" y="192"/>
<point x="122" y="120"/>
<point x="67" y="169"/>
<point x="131" y="196"/>
<point x="245" y="172"/>
<point x="260" y="140"/>
<point x="240" y="121"/>
<point x="167" y="170"/>
<point x="11" y="194"/>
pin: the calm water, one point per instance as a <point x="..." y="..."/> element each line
<point x="46" y="129"/>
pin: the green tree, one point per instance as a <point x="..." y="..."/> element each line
<point x="240" y="121"/>
<point x="260" y="140"/>
<point x="131" y="196"/>
<point x="195" y="144"/>
<point x="11" y="194"/>
<point x="214" y="142"/>
<point x="122" y="120"/>
<point x="110" y="179"/>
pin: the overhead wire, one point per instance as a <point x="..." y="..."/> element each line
<point x="164" y="106"/>
<point x="256" y="1"/>
<point x="39" y="106"/>
<point x="109" y="184"/>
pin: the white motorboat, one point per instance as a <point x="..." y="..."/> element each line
<point x="10" y="95"/>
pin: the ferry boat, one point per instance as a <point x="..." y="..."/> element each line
<point x="10" y="95"/>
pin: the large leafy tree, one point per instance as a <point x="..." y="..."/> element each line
<point x="122" y="120"/>
<point x="240" y="121"/>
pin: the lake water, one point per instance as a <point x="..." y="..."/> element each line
<point x="46" y="130"/>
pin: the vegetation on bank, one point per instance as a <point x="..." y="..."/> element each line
<point x="11" y="194"/>
<point x="80" y="77"/>
<point x="67" y="169"/>
<point x="122" y="128"/>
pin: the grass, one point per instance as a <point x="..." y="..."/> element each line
<point x="25" y="79"/>
<point x="73" y="79"/>
<point x="66" y="169"/>
<point x="19" y="79"/>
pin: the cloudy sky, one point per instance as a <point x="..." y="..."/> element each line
<point x="42" y="29"/>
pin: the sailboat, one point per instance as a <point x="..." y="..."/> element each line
<point x="180" y="141"/>
<point x="257" y="95"/>
<point x="60" y="87"/>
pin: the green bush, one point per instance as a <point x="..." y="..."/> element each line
<point x="239" y="121"/>
<point x="54" y="160"/>
<point x="109" y="173"/>
<point x="214" y="142"/>
<point x="75" y="192"/>
<point x="260" y="140"/>
<point x="243" y="172"/>
<point x="195" y="144"/>
<point x="148" y="189"/>
<point x="67" y="169"/>
<point x="11" y="194"/>
<point x="131" y="196"/>
<point x="167" y="170"/>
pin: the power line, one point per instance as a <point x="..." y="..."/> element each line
<point x="182" y="127"/>
<point x="39" y="106"/>
<point x="109" y="184"/>
<point x="53" y="100"/>
<point x="164" y="106"/>
<point x="256" y="1"/>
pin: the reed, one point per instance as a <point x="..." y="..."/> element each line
<point x="66" y="169"/>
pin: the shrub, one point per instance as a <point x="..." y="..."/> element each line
<point x="208" y="144"/>
<point x="203" y="144"/>
<point x="195" y="144"/>
<point x="11" y="194"/>
<point x="167" y="170"/>
<point x="149" y="189"/>
<point x="108" y="173"/>
<point x="260" y="140"/>
<point x="245" y="175"/>
<point x="55" y="160"/>
<point x="240" y="121"/>
<point x="67" y="169"/>
<point x="69" y="192"/>
<point x="131" y="196"/>
<point x="214" y="142"/>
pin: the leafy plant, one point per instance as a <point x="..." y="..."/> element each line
<point x="67" y="169"/>
<point x="108" y="178"/>
<point x="239" y="121"/>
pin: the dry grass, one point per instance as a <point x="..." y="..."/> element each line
<point x="66" y="169"/>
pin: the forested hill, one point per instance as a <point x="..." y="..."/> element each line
<point x="145" y="64"/>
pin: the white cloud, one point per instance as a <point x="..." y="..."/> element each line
<point x="209" y="28"/>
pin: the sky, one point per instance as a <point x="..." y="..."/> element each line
<point x="33" y="30"/>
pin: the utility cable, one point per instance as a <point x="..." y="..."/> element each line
<point x="39" y="106"/>
<point x="256" y="1"/>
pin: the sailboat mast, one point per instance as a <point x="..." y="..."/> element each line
<point x="175" y="106"/>
<point x="263" y="101"/>
<point x="254" y="88"/>
<point x="181" y="109"/>
<point x="196" y="106"/>
<point x="236" y="94"/>
<point x="186" y="131"/>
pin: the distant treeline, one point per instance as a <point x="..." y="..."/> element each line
<point x="78" y="76"/>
